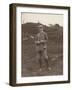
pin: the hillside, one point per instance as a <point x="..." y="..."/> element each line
<point x="30" y="63"/>
<point x="54" y="31"/>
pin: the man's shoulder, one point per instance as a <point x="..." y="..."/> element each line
<point x="45" y="33"/>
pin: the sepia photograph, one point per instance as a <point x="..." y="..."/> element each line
<point x="42" y="44"/>
<point x="39" y="44"/>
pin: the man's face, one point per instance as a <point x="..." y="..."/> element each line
<point x="40" y="29"/>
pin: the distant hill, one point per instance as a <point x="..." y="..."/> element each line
<point x="54" y="32"/>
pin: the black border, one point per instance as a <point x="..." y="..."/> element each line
<point x="12" y="40"/>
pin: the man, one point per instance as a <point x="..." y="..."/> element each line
<point x="41" y="46"/>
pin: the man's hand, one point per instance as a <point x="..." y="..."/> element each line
<point x="37" y="42"/>
<point x="43" y="41"/>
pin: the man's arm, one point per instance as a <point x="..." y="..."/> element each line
<point x="46" y="38"/>
<point x="36" y="40"/>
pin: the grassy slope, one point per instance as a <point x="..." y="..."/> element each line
<point x="30" y="65"/>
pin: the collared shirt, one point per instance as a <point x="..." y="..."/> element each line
<point x="41" y="41"/>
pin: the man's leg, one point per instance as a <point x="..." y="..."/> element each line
<point x="39" y="57"/>
<point x="46" y="57"/>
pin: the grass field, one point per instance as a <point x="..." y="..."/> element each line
<point x="30" y="64"/>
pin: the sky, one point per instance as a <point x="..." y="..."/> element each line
<point x="45" y="19"/>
